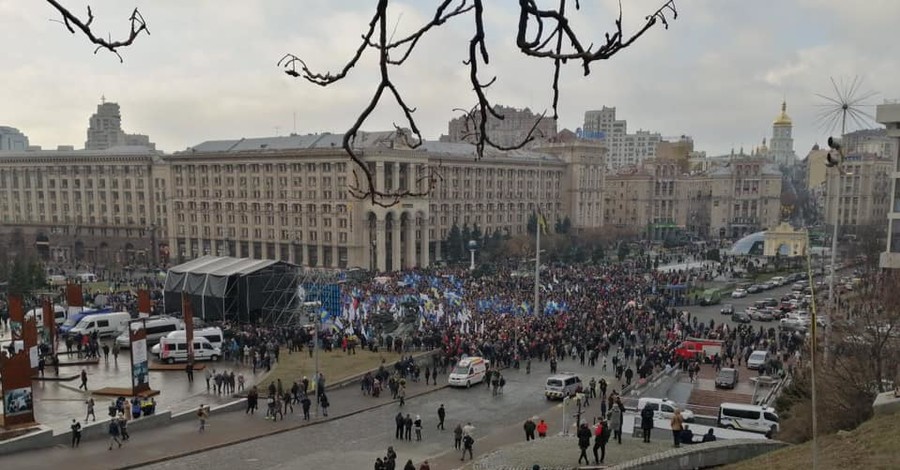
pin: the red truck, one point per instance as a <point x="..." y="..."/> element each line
<point x="694" y="348"/>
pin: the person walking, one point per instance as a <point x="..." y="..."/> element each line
<point x="203" y="415"/>
<point x="324" y="404"/>
<point x="584" y="441"/>
<point x="105" y="353"/>
<point x="615" y="421"/>
<point x="529" y="427"/>
<point x="646" y="422"/>
<point x="83" y="380"/>
<point x="76" y="433"/>
<point x="189" y="370"/>
<point x="442" y="413"/>
<point x="252" y="401"/>
<point x="123" y="428"/>
<point x="542" y="429"/>
<point x="408" y="423"/>
<point x="601" y="437"/>
<point x="90" y="409"/>
<point x="113" y="431"/>
<point x="401" y="394"/>
<point x="417" y="424"/>
<point x="115" y="351"/>
<point x="677" y="425"/>
<point x="306" y="403"/>
<point x="468" y="443"/>
<point x="457" y="437"/>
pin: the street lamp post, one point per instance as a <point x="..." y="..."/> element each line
<point x="473" y="245"/>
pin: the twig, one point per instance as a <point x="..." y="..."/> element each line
<point x="72" y="22"/>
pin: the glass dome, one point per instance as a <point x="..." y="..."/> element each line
<point x="750" y="245"/>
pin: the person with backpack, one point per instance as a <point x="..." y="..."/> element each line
<point x="113" y="431"/>
<point x="584" y="440"/>
<point x="468" y="442"/>
<point x="601" y="437"/>
<point x="76" y="433"/>
<point x="647" y="422"/>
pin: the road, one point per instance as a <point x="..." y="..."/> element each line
<point x="356" y="441"/>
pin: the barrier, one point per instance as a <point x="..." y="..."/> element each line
<point x="43" y="437"/>
<point x="705" y="455"/>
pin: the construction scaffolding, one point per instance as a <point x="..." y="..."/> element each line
<point x="314" y="292"/>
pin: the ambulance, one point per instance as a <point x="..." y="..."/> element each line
<point x="469" y="371"/>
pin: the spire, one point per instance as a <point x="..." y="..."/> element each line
<point x="783" y="118"/>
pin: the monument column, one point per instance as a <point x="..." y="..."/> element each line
<point x="380" y="248"/>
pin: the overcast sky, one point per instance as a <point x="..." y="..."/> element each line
<point x="208" y="71"/>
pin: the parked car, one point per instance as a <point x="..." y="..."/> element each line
<point x="794" y="324"/>
<point x="739" y="294"/>
<point x="727" y="378"/>
<point x="768" y="285"/>
<point x="770" y="302"/>
<point x="757" y="359"/>
<point x="740" y="317"/>
<point x="754" y="289"/>
<point x="727" y="309"/>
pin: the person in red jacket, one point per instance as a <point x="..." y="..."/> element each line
<point x="542" y="429"/>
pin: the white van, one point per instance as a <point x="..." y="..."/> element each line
<point x="156" y="328"/>
<point x="469" y="371"/>
<point x="752" y="418"/>
<point x="175" y="350"/>
<point x="105" y="324"/>
<point x="86" y="277"/>
<point x="663" y="408"/>
<point x="59" y="315"/>
<point x="562" y="385"/>
<point x="212" y="334"/>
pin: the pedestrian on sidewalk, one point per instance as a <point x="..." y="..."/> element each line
<point x="401" y="394"/>
<point x="398" y="422"/>
<point x="468" y="443"/>
<point x="123" y="427"/>
<point x="601" y="438"/>
<point x="189" y="370"/>
<point x="105" y="353"/>
<point x="409" y="465"/>
<point x="457" y="437"/>
<point x="306" y="403"/>
<point x="529" y="427"/>
<point x="647" y="422"/>
<point x="677" y="424"/>
<point x="83" y="380"/>
<point x="252" y="401"/>
<point x="324" y="404"/>
<point x="584" y="441"/>
<point x="542" y="429"/>
<point x="113" y="431"/>
<point x="76" y="433"/>
<point x="90" y="409"/>
<point x="442" y="413"/>
<point x="203" y="415"/>
<point x="209" y="376"/>
<point x="424" y="466"/>
<point x="418" y="425"/>
<point x="115" y="351"/>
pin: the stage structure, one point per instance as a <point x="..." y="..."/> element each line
<point x="246" y="290"/>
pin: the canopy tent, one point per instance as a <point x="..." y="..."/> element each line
<point x="235" y="289"/>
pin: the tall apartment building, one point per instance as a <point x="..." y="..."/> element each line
<point x="12" y="140"/>
<point x="105" y="130"/>
<point x="874" y="141"/>
<point x="745" y="197"/>
<point x="507" y="132"/>
<point x="864" y="188"/>
<point x="889" y="115"/>
<point x="98" y="206"/>
<point x="623" y="148"/>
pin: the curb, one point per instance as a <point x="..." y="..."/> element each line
<point x="270" y="433"/>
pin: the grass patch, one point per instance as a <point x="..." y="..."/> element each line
<point x="336" y="365"/>
<point x="873" y="445"/>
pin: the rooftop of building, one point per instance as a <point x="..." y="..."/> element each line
<point x="364" y="140"/>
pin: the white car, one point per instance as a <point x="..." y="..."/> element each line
<point x="757" y="359"/>
<point x="739" y="294"/>
<point x="663" y="408"/>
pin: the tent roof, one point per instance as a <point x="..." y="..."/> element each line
<point x="223" y="266"/>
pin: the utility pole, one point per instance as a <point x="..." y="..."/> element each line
<point x="537" y="240"/>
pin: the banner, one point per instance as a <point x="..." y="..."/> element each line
<point x="16" y="371"/>
<point x="140" y="365"/>
<point x="145" y="307"/>
<point x="49" y="333"/>
<point x="74" y="296"/>
<point x="16" y="316"/>
<point x="187" y="312"/>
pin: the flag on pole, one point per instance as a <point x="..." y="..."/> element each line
<point x="542" y="222"/>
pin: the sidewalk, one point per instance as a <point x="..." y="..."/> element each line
<point x="183" y="438"/>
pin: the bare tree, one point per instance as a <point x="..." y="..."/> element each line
<point x="73" y="23"/>
<point x="542" y="34"/>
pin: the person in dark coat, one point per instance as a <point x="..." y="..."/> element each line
<point x="408" y="423"/>
<point x="646" y="422"/>
<point x="409" y="465"/>
<point x="601" y="438"/>
<point x="584" y="441"/>
<point x="398" y="420"/>
<point x="529" y="427"/>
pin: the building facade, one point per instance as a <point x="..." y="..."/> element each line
<point x="864" y="189"/>
<point x="105" y="130"/>
<point x="98" y="207"/>
<point x="623" y="149"/>
<point x="12" y="140"/>
<point x="510" y="131"/>
<point x="781" y="146"/>
<point x="874" y="141"/>
<point x="889" y="115"/>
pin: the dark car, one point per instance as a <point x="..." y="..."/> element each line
<point x="770" y="302"/>
<point x="740" y="317"/>
<point x="754" y="289"/>
<point x="727" y="309"/>
<point x="727" y="378"/>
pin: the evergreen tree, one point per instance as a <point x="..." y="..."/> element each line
<point x="566" y="225"/>
<point x="464" y="246"/>
<point x="532" y="224"/>
<point x="454" y="243"/>
<point x="476" y="234"/>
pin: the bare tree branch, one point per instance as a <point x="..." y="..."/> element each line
<point x="543" y="34"/>
<point x="72" y="22"/>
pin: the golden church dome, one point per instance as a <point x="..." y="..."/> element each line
<point x="783" y="118"/>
